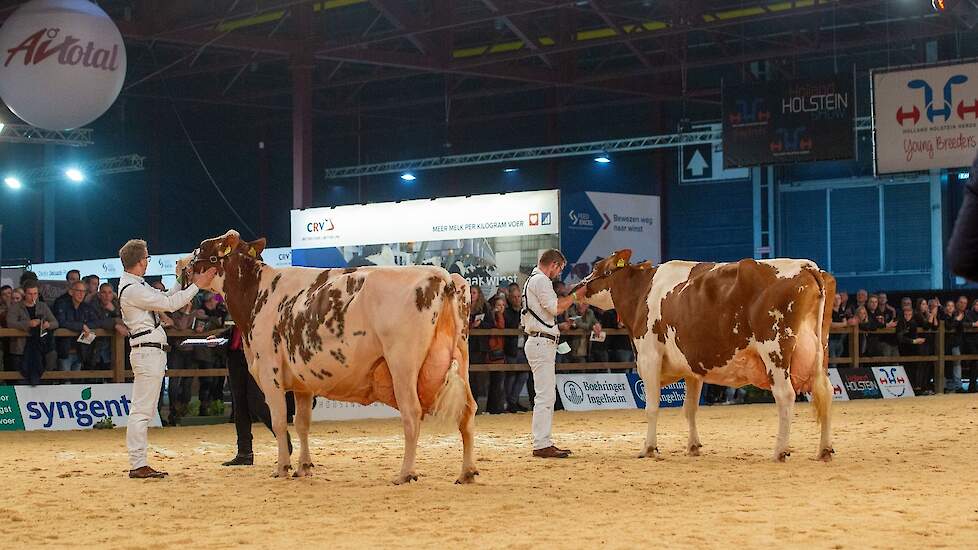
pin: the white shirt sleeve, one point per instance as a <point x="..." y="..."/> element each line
<point x="149" y="299"/>
<point x="543" y="289"/>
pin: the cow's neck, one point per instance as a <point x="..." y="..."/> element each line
<point x="241" y="289"/>
<point x="629" y="292"/>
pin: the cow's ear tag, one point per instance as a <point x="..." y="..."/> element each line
<point x="621" y="263"/>
<point x="253" y="253"/>
<point x="226" y="251"/>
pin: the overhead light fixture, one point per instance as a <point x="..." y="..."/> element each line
<point x="12" y="182"/>
<point x="963" y="175"/>
<point x="408" y="176"/>
<point x="510" y="170"/>
<point x="75" y="175"/>
<point x="602" y="159"/>
<point x="1" y="127"/>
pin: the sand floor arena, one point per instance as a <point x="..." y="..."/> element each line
<point x="904" y="476"/>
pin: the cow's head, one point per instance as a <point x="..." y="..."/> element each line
<point x="223" y="253"/>
<point x="598" y="283"/>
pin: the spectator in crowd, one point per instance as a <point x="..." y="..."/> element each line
<point x="6" y="299"/>
<point x="838" y="342"/>
<point x="911" y="342"/>
<point x="514" y="381"/>
<point x="62" y="301"/>
<point x="953" y="321"/>
<point x="876" y="322"/>
<point x="33" y="354"/>
<point x="92" y="285"/>
<point x="211" y="387"/>
<point x="846" y="306"/>
<point x="108" y="317"/>
<point x="971" y="345"/>
<point x="17" y="295"/>
<point x="889" y="313"/>
<point x="580" y="318"/>
<point x="866" y="325"/>
<point x="78" y="316"/>
<point x="861" y="297"/>
<point x="496" y="355"/>
<point x="598" y="344"/>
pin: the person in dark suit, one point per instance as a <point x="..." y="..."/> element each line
<point x="962" y="249"/>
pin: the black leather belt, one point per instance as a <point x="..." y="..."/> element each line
<point x="550" y="337"/>
<point x="164" y="347"/>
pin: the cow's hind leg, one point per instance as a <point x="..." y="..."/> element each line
<point x="694" y="385"/>
<point x="651" y="375"/>
<point x="406" y="392"/>
<point x="466" y="426"/>
<point x="784" y="396"/>
<point x="303" y="417"/>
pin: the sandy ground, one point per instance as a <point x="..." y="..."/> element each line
<point x="904" y="476"/>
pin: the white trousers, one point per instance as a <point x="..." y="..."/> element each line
<point x="148" y="368"/>
<point x="541" y="354"/>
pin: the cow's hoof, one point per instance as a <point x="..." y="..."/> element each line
<point x="782" y="456"/>
<point x="825" y="455"/>
<point x="304" y="470"/>
<point x="693" y="450"/>
<point x="404" y="479"/>
<point x="467" y="477"/>
<point x="650" y="452"/>
<point x="282" y="471"/>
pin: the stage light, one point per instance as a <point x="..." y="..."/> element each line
<point x="602" y="159"/>
<point x="12" y="182"/>
<point x="510" y="170"/>
<point x="75" y="175"/>
<point x="963" y="175"/>
<point x="408" y="176"/>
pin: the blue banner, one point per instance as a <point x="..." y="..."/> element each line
<point x="672" y="395"/>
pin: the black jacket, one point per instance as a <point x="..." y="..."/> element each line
<point x="72" y="319"/>
<point x="962" y="249"/>
<point x="512" y="343"/>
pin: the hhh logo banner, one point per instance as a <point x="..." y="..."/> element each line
<point x="76" y="406"/>
<point x="893" y="382"/>
<point x="925" y="118"/>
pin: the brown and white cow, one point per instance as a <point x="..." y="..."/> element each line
<point x="395" y="335"/>
<point x="763" y="322"/>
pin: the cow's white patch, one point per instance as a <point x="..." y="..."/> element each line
<point x="736" y="328"/>
<point x="786" y="268"/>
<point x="790" y="304"/>
<point x="601" y="300"/>
<point x="667" y="277"/>
<point x="767" y="349"/>
<point x="778" y="317"/>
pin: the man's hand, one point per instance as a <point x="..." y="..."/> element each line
<point x="35" y="323"/>
<point x="85" y="329"/>
<point x="121" y="330"/>
<point x="45" y="325"/>
<point x="203" y="280"/>
<point x="919" y="340"/>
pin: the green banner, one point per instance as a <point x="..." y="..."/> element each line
<point x="10" y="419"/>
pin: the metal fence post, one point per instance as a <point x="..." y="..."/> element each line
<point x="939" y="367"/>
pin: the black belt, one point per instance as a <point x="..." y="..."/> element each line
<point x="164" y="347"/>
<point x="550" y="337"/>
<point x="141" y="334"/>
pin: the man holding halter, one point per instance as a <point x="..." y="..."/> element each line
<point x="140" y="305"/>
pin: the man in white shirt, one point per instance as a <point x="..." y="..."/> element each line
<point x="541" y="307"/>
<point x="140" y="304"/>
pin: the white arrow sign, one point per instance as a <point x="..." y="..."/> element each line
<point x="697" y="165"/>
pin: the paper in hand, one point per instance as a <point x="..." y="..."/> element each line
<point x="87" y="340"/>
<point x="206" y="342"/>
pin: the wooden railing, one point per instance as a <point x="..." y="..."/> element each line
<point x="118" y="372"/>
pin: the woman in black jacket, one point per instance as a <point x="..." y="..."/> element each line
<point x="910" y="342"/>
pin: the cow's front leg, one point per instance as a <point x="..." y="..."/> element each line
<point x="406" y="394"/>
<point x="694" y="385"/>
<point x="275" y="397"/>
<point x="651" y="377"/>
<point x="303" y="417"/>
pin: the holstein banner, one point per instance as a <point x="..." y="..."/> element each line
<point x="925" y="118"/>
<point x="788" y="121"/>
<point x="75" y="406"/>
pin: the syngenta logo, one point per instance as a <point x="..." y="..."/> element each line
<point x="70" y="51"/>
<point x="325" y="225"/>
<point x="83" y="412"/>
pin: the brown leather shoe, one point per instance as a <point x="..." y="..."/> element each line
<point x="550" y="452"/>
<point x="146" y="473"/>
<point x="568" y="451"/>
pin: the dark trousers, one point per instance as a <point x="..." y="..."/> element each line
<point x="515" y="381"/>
<point x="179" y="388"/>
<point x="248" y="402"/>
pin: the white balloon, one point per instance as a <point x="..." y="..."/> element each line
<point x="62" y="63"/>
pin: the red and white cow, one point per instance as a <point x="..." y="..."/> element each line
<point x="395" y="335"/>
<point x="763" y="322"/>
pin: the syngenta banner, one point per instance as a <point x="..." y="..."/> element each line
<point x="76" y="406"/>
<point x="480" y="216"/>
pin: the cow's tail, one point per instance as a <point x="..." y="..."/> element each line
<point x="454" y="398"/>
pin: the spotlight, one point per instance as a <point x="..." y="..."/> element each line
<point x="963" y="175"/>
<point x="75" y="175"/>
<point x="1" y="127"/>
<point x="13" y="182"/>
<point x="510" y="170"/>
<point x="602" y="159"/>
<point x="408" y="176"/>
